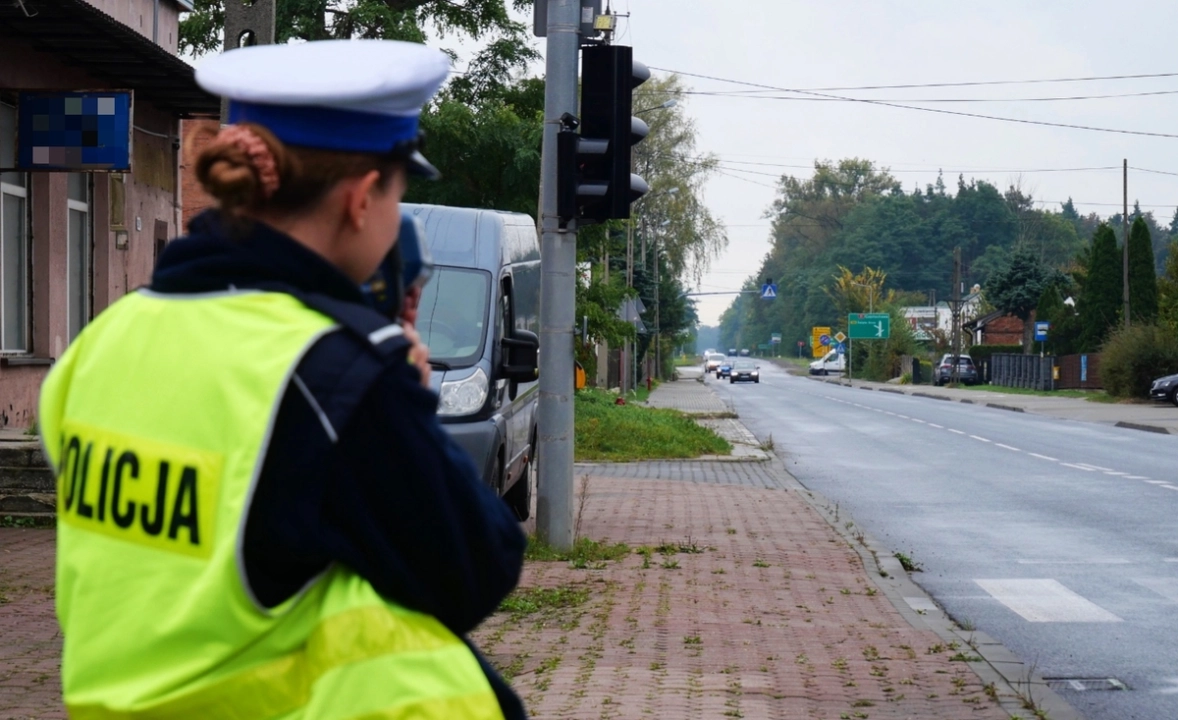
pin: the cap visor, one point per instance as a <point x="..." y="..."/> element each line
<point x="421" y="167"/>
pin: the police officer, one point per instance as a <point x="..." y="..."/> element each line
<point x="259" y="514"/>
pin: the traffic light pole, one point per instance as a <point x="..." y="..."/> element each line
<point x="558" y="252"/>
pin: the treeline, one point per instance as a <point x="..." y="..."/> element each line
<point x="854" y="215"/>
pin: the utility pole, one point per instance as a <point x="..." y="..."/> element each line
<point x="956" y="312"/>
<point x="1125" y="242"/>
<point x="558" y="247"/>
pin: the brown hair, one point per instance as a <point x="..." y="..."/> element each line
<point x="305" y="175"/>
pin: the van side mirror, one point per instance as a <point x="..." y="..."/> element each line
<point x="521" y="357"/>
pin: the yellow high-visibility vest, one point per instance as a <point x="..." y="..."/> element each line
<point x="157" y="420"/>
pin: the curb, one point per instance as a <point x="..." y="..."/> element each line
<point x="1011" y="408"/>
<point x="997" y="665"/>
<point x="893" y="391"/>
<point x="1146" y="428"/>
<point x="928" y="395"/>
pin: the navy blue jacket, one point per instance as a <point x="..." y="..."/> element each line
<point x="391" y="495"/>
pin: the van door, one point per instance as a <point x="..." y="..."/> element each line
<point x="517" y="420"/>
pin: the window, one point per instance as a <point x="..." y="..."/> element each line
<point x="14" y="242"/>
<point x="78" y="253"/>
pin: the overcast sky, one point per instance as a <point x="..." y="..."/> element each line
<point x="804" y="45"/>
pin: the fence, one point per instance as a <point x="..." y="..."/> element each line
<point x="1022" y="371"/>
<point x="1079" y="372"/>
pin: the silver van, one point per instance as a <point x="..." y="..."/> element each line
<point x="480" y="317"/>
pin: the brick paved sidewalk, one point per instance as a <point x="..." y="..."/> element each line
<point x="30" y="644"/>
<point x="758" y="609"/>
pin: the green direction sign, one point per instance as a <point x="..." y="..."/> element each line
<point x="869" y="326"/>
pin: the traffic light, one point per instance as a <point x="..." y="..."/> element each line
<point x="594" y="182"/>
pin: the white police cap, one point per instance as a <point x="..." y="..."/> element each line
<point x="344" y="95"/>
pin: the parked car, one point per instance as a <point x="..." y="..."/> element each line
<point x="712" y="361"/>
<point x="744" y="370"/>
<point x="725" y="368"/>
<point x="480" y="315"/>
<point x="1165" y="388"/>
<point x="967" y="372"/>
<point x="828" y="363"/>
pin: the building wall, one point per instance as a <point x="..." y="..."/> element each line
<point x="140" y="15"/>
<point x="129" y="213"/>
<point x="1006" y="330"/>
<point x="196" y="134"/>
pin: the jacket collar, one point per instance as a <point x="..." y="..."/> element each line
<point x="215" y="257"/>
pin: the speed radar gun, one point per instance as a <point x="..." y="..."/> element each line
<point x="407" y="266"/>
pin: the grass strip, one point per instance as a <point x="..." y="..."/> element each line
<point x="606" y="432"/>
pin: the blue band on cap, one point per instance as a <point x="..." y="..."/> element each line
<point x="327" y="128"/>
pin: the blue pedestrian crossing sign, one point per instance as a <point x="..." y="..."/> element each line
<point x="841" y="348"/>
<point x="768" y="291"/>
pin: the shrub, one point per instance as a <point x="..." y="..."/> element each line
<point x="1132" y="357"/>
<point x="983" y="352"/>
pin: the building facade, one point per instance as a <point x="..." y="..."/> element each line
<point x="71" y="243"/>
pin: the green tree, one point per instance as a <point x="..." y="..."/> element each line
<point x="1143" y="279"/>
<point x="487" y="148"/>
<point x="1017" y="288"/>
<point x="1101" y="297"/>
<point x="506" y="43"/>
<point x="1168" y="288"/>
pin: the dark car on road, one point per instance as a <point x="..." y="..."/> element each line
<point x="967" y="372"/>
<point x="1165" y="388"/>
<point x="745" y="370"/>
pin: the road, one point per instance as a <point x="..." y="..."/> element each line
<point x="1055" y="537"/>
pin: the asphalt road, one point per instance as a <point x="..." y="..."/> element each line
<point x="1056" y="537"/>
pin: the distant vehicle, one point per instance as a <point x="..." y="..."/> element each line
<point x="828" y="363"/>
<point x="744" y="352"/>
<point x="709" y="351"/>
<point x="732" y="352"/>
<point x="967" y="372"/>
<point x="712" y="361"/>
<point x="725" y="368"/>
<point x="1165" y="388"/>
<point x="744" y="370"/>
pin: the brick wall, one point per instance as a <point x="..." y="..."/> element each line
<point x="1006" y="330"/>
<point x="193" y="198"/>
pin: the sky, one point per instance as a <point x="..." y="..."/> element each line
<point x="850" y="43"/>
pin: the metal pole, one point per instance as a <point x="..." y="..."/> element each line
<point x="1125" y="242"/>
<point x="558" y="248"/>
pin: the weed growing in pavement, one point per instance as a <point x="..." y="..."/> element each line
<point x="730" y="531"/>
<point x="840" y="664"/>
<point x="529" y="601"/>
<point x="760" y="563"/>
<point x="687" y="547"/>
<point x="870" y="653"/>
<point x="966" y="624"/>
<point x="871" y="592"/>
<point x="718" y="571"/>
<point x="962" y="657"/>
<point x="768" y="446"/>
<point x="9" y="521"/>
<point x="935" y="649"/>
<point x="584" y="552"/>
<point x="670" y="565"/>
<point x="692" y="640"/>
<point x="908" y="563"/>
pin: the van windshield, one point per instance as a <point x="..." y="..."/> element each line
<point x="452" y="317"/>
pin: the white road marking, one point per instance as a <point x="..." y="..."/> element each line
<point x="1095" y="467"/>
<point x="1169" y="487"/>
<point x="922" y="422"/>
<point x="1094" y="561"/>
<point x="1156" y="482"/>
<point x="891" y="413"/>
<point x="1045" y="600"/>
<point x="1169" y="559"/>
<point x="956" y="431"/>
<point x="1079" y="467"/>
<point x="1007" y="447"/>
<point x="940" y="427"/>
<point x="903" y="416"/>
<point x="1136" y="477"/>
<point x="1166" y="587"/>
<point x="1044" y="457"/>
<point x="975" y="437"/>
<point x="1114" y="472"/>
